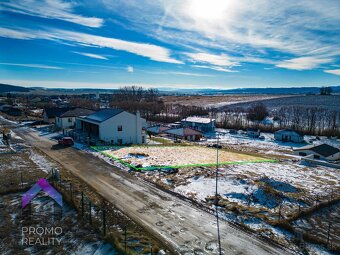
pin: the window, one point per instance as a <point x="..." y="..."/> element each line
<point x="120" y="128"/>
<point x="69" y="119"/>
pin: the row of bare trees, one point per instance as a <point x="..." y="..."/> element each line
<point x="308" y="120"/>
<point x="151" y="107"/>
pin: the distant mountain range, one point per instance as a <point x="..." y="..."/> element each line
<point x="276" y="91"/>
<point x="11" y="88"/>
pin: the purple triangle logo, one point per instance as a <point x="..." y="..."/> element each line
<point x="42" y="184"/>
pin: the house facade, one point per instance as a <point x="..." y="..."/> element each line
<point x="321" y="151"/>
<point x="288" y="135"/>
<point x="113" y="126"/>
<point x="199" y="123"/>
<point x="68" y="119"/>
<point x="49" y="114"/>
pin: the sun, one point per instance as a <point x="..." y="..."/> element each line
<point x="209" y="10"/>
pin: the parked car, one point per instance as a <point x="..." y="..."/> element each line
<point x="66" y="141"/>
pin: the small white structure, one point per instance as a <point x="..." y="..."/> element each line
<point x="68" y="119"/>
<point x="321" y="151"/>
<point x="184" y="133"/>
<point x="288" y="135"/>
<point x="253" y="133"/>
<point x="114" y="126"/>
<point x="199" y="123"/>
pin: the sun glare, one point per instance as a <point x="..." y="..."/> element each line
<point x="209" y="10"/>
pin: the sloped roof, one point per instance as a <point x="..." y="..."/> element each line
<point x="56" y="111"/>
<point x="322" y="149"/>
<point x="103" y="115"/>
<point x="290" y="131"/>
<point x="198" y="120"/>
<point x="182" y="131"/>
<point x="157" y="129"/>
<point x="77" y="112"/>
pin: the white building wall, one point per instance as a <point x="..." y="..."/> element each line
<point x="66" y="122"/>
<point x="291" y="136"/>
<point x="131" y="129"/>
<point x="309" y="152"/>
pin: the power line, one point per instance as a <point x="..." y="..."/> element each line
<point x="216" y="196"/>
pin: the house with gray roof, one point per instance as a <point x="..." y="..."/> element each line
<point x="199" y="123"/>
<point x="113" y="126"/>
<point x="67" y="119"/>
<point x="289" y="135"/>
<point x="184" y="133"/>
<point x="320" y="151"/>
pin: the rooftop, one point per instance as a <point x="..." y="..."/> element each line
<point x="103" y="115"/>
<point x="182" y="131"/>
<point x="77" y="112"/>
<point x="322" y="149"/>
<point x="198" y="120"/>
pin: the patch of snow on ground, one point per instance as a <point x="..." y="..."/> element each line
<point x="42" y="162"/>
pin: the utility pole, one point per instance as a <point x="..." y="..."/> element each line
<point x="216" y="196"/>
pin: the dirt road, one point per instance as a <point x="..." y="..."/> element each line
<point x="185" y="228"/>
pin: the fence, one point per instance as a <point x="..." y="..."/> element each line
<point x="114" y="225"/>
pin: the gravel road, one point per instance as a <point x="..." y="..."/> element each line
<point x="182" y="226"/>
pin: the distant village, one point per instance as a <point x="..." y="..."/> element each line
<point x="133" y="114"/>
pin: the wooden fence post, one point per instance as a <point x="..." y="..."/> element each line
<point x="90" y="219"/>
<point x="82" y="204"/>
<point x="329" y="232"/>
<point x="104" y="221"/>
<point x="125" y="233"/>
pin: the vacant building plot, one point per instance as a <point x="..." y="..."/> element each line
<point x="150" y="157"/>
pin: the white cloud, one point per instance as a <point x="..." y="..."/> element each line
<point x="50" y="9"/>
<point x="130" y="69"/>
<point x="221" y="63"/>
<point x="260" y="30"/>
<point x="32" y="65"/>
<point x="14" y="34"/>
<point x="216" y="68"/>
<point x="182" y="73"/>
<point x="151" y="51"/>
<point x="303" y="63"/>
<point x="217" y="60"/>
<point x="335" y="71"/>
<point x="80" y="84"/>
<point x="91" y="55"/>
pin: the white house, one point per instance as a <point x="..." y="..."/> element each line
<point x="288" y="135"/>
<point x="49" y="114"/>
<point x="321" y="151"/>
<point x="199" y="123"/>
<point x="114" y="126"/>
<point x="68" y="118"/>
<point x="184" y="133"/>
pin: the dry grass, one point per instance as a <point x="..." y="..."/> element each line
<point x="176" y="155"/>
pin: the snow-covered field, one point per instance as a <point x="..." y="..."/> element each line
<point x="267" y="145"/>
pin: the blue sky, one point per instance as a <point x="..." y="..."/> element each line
<point x="170" y="43"/>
